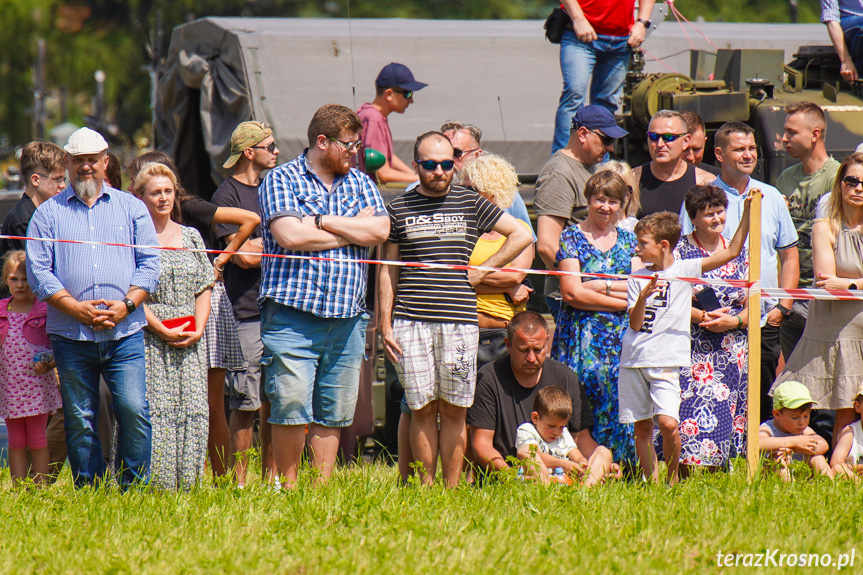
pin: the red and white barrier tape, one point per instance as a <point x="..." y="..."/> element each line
<point x="801" y="293"/>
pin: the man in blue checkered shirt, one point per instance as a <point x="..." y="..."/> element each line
<point x="313" y="319"/>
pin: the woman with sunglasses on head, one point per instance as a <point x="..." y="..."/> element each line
<point x="590" y="326"/>
<point x="828" y="360"/>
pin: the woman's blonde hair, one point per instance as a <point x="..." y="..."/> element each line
<point x="494" y="176"/>
<point x="151" y="170"/>
<point x="835" y="206"/>
<point x="12" y="261"/>
<point x="625" y="171"/>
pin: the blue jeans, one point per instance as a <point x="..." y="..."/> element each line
<point x="312" y="365"/>
<point x="121" y="363"/>
<point x="852" y="28"/>
<point x="597" y="69"/>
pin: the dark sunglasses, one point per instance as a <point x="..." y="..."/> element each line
<point x="852" y="181"/>
<point x="408" y="94"/>
<point x="604" y="138"/>
<point x="458" y="153"/>
<point x="347" y="146"/>
<point x="431" y="165"/>
<point x="271" y="147"/>
<point x="667" y="138"/>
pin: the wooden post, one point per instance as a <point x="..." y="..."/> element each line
<point x="753" y="409"/>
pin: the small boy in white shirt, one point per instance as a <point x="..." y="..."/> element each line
<point x="847" y="458"/>
<point x="657" y="343"/>
<point x="556" y="447"/>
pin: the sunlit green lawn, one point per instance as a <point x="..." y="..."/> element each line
<point x="363" y="522"/>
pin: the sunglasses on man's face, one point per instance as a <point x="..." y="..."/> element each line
<point x="852" y="181"/>
<point x="457" y="153"/>
<point x="271" y="147"/>
<point x="667" y="138"/>
<point x="347" y="146"/>
<point x="408" y="94"/>
<point x="604" y="138"/>
<point x="431" y="165"/>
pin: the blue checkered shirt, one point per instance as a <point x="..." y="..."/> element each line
<point x="91" y="272"/>
<point x="325" y="289"/>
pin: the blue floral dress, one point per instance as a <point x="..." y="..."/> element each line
<point x="589" y="342"/>
<point x="713" y="408"/>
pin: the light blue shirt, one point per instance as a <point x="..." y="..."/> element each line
<point x="777" y="231"/>
<point x="90" y="272"/>
<point x="519" y="211"/>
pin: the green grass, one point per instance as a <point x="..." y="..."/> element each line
<point x="363" y="522"/>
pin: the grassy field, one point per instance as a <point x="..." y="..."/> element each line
<point x="363" y="522"/>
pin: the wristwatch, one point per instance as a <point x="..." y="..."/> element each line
<point x="645" y="22"/>
<point x="130" y="305"/>
<point x="786" y="313"/>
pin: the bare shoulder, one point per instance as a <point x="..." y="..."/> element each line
<point x="703" y="177"/>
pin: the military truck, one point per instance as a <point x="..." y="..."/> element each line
<point x="502" y="76"/>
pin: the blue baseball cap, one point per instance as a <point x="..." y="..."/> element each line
<point x="398" y="76"/>
<point x="596" y="117"/>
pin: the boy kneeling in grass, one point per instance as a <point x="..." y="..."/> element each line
<point x="787" y="437"/>
<point x="547" y="429"/>
<point x="657" y="343"/>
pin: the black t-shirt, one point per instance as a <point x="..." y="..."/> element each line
<point x="16" y="223"/>
<point x="441" y="230"/>
<point x="242" y="285"/>
<point x="502" y="404"/>
<point x="660" y="196"/>
<point x="199" y="213"/>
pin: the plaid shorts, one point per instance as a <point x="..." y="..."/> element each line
<point x="438" y="362"/>
<point x="220" y="334"/>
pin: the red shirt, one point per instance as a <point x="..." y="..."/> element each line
<point x="609" y="17"/>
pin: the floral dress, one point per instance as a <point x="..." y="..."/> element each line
<point x="713" y="389"/>
<point x="589" y="342"/>
<point x="177" y="377"/>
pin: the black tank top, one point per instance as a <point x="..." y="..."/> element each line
<point x="659" y="196"/>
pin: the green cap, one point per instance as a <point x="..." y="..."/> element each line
<point x="791" y="395"/>
<point x="245" y="136"/>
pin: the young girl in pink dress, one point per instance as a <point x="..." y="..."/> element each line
<point x="28" y="388"/>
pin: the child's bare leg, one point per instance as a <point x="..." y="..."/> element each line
<point x="670" y="445"/>
<point x="844" y="471"/>
<point x="18" y="464"/>
<point x="644" y="449"/>
<point x="783" y="461"/>
<point x="41" y="464"/>
<point x="599" y="465"/>
<point x="819" y="466"/>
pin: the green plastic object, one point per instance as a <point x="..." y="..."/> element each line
<point x="374" y="160"/>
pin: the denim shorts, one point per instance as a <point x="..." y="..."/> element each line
<point x="313" y="365"/>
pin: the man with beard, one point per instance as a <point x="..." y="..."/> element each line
<point x="313" y="320"/>
<point x="253" y="150"/>
<point x="780" y="267"/>
<point x="428" y="316"/>
<point x="95" y="317"/>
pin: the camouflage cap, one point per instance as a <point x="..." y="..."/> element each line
<point x="245" y="136"/>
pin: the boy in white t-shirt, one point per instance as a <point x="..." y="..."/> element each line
<point x="556" y="447"/>
<point x="657" y="343"/>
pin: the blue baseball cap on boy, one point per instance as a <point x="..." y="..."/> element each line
<point x="596" y="117"/>
<point x="395" y="75"/>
